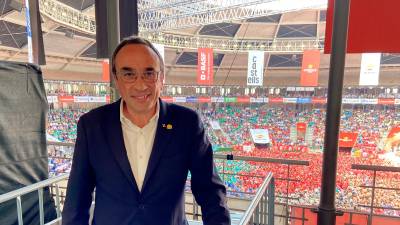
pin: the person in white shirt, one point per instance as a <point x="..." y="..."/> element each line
<point x="137" y="153"/>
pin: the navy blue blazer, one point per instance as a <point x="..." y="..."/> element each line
<point x="100" y="161"/>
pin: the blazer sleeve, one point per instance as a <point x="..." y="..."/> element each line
<point x="207" y="187"/>
<point x="80" y="184"/>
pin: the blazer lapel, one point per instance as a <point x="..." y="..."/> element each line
<point x="115" y="139"/>
<point x="161" y="139"/>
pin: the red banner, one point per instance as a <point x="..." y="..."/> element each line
<point x="386" y="101"/>
<point x="310" y="68"/>
<point x="167" y="99"/>
<point x="275" y="100"/>
<point x="301" y="127"/>
<point x="108" y="98"/>
<point x="106" y="71"/>
<point x="243" y="99"/>
<point x="347" y="139"/>
<point x="319" y="100"/>
<point x="204" y="99"/>
<point x="372" y="26"/>
<point x="66" y="99"/>
<point x="205" y="65"/>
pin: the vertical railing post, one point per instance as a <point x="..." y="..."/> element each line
<point x="271" y="202"/>
<point x="371" y="213"/>
<point x="287" y="194"/>
<point x="58" y="200"/>
<point x="19" y="211"/>
<point x="41" y="209"/>
<point x="265" y="206"/>
<point x="257" y="215"/>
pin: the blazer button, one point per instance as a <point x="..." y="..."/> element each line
<point x="141" y="206"/>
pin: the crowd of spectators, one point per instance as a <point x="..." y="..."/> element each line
<point x="233" y="132"/>
<point x="59" y="159"/>
<point x="61" y="123"/>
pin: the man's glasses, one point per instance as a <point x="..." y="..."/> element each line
<point x="131" y="76"/>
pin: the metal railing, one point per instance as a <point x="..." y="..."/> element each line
<point x="262" y="208"/>
<point x="303" y="213"/>
<point x="39" y="187"/>
<point x="374" y="187"/>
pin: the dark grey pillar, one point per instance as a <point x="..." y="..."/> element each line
<point x="36" y="32"/>
<point x="326" y="210"/>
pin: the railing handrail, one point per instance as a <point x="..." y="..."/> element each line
<point x="262" y="159"/>
<point x="375" y="168"/>
<point x="71" y="144"/>
<point x="257" y="198"/>
<point x="33" y="187"/>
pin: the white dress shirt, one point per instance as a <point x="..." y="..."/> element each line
<point x="139" y="143"/>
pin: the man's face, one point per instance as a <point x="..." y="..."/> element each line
<point x="140" y="96"/>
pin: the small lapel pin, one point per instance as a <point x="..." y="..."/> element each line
<point x="167" y="126"/>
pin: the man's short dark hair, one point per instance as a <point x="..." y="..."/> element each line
<point x="134" y="40"/>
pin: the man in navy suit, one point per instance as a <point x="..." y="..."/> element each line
<point x="137" y="153"/>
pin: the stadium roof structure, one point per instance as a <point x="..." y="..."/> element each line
<point x="281" y="28"/>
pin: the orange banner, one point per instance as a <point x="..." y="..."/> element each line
<point x="106" y="71"/>
<point x="243" y="99"/>
<point x="310" y="68"/>
<point x="205" y="63"/>
<point x="393" y="139"/>
<point x="167" y="98"/>
<point x="204" y="99"/>
<point x="386" y="101"/>
<point x="347" y="139"/>
<point x="319" y="100"/>
<point x="275" y="100"/>
<point x="301" y="127"/>
<point x="372" y="26"/>
<point x="66" y="99"/>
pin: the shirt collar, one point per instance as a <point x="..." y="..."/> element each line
<point x="125" y="120"/>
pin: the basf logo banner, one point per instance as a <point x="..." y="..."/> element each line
<point x="255" y="68"/>
<point x="205" y="65"/>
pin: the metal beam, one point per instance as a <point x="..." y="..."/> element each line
<point x="152" y="23"/>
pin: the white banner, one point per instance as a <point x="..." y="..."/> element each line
<point x="179" y="99"/>
<point x="370" y="65"/>
<point x="246" y="148"/>
<point x="351" y="101"/>
<point x="97" y="99"/>
<point x="255" y="68"/>
<point x="217" y="99"/>
<point x="260" y="136"/>
<point x="369" y="101"/>
<point x="397" y="101"/>
<point x="161" y="50"/>
<point x="256" y="100"/>
<point x="266" y="100"/>
<point x="52" y="99"/>
<point x="290" y="100"/>
<point x="215" y="125"/>
<point x="81" y="98"/>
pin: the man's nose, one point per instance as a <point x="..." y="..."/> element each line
<point x="140" y="84"/>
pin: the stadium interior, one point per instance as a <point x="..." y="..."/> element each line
<point x="293" y="116"/>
